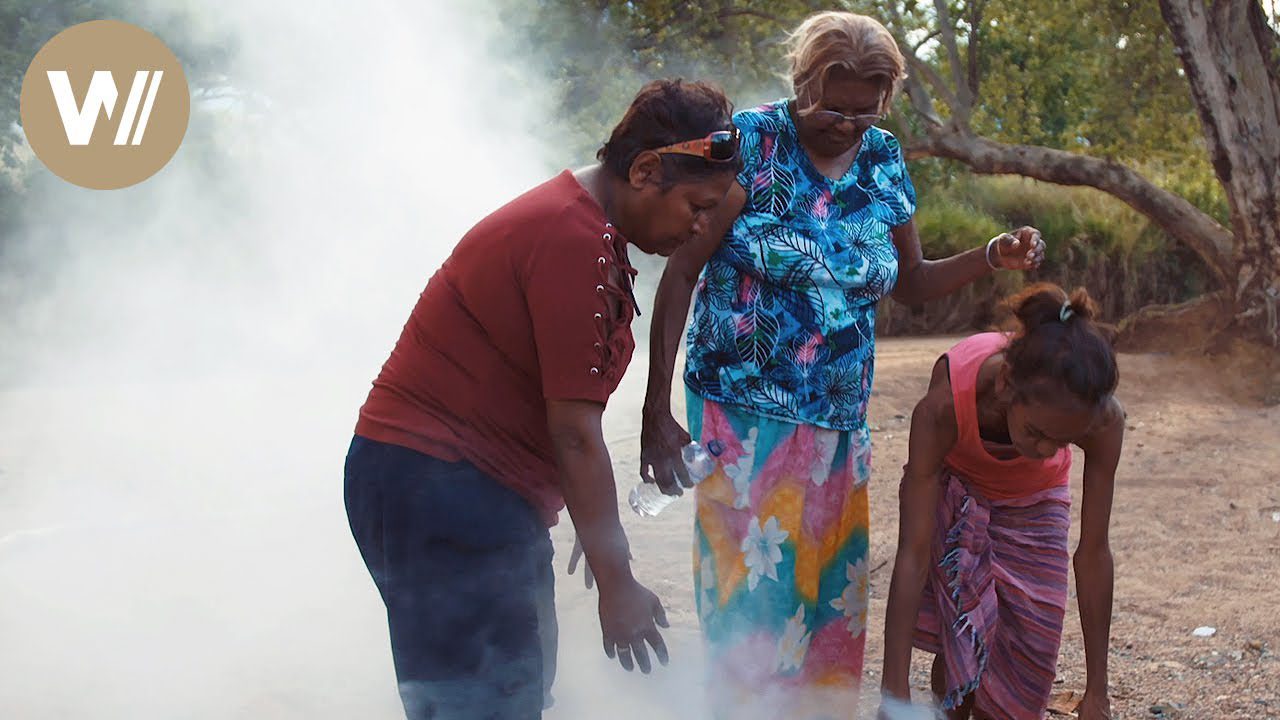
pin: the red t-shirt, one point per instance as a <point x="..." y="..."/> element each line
<point x="534" y="304"/>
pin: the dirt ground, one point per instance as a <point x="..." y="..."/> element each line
<point x="1195" y="533"/>
<point x="159" y="559"/>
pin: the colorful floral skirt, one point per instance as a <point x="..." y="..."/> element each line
<point x="780" y="564"/>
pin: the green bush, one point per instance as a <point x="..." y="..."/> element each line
<point x="1093" y="240"/>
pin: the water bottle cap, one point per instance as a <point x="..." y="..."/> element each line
<point x="715" y="447"/>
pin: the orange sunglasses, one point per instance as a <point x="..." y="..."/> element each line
<point x="719" y="146"/>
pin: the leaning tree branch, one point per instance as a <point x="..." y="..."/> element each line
<point x="1175" y="215"/>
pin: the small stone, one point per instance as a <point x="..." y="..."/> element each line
<point x="1205" y="631"/>
<point x="1237" y="655"/>
<point x="1173" y="665"/>
<point x="1210" y="661"/>
<point x="1254" y="645"/>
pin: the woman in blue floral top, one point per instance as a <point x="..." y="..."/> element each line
<point x="780" y="361"/>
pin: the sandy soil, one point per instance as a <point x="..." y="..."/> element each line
<point x="1195" y="533"/>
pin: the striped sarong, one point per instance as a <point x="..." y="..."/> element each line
<point x="994" y="603"/>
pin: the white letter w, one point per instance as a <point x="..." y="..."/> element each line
<point x="79" y="122"/>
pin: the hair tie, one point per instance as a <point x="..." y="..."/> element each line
<point x="1066" y="312"/>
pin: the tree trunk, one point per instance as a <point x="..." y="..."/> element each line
<point x="1232" y="60"/>
<point x="1180" y="219"/>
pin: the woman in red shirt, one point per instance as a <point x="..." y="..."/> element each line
<point x="486" y="419"/>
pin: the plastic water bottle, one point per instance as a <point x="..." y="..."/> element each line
<point x="647" y="499"/>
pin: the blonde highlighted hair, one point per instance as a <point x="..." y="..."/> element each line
<point x="856" y="43"/>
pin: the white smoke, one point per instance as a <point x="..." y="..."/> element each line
<point x="181" y="363"/>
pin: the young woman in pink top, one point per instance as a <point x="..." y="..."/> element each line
<point x="981" y="573"/>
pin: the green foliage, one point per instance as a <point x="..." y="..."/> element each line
<point x="1093" y="240"/>
<point x="1086" y="76"/>
<point x="948" y="223"/>
<point x="598" y="53"/>
<point x="1092" y="76"/>
<point x="1099" y="78"/>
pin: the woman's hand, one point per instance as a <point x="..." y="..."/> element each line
<point x="661" y="439"/>
<point x="630" y="616"/>
<point x="1022" y="249"/>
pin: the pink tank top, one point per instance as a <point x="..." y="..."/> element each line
<point x="971" y="459"/>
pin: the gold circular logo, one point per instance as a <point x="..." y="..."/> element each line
<point x="105" y="104"/>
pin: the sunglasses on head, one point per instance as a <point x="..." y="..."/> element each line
<point x="719" y="146"/>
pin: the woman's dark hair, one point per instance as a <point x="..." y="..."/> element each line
<point x="1059" y="348"/>
<point x="666" y="112"/>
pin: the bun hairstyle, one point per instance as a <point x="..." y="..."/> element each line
<point x="1059" y="348"/>
<point x="666" y="112"/>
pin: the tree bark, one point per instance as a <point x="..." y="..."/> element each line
<point x="1232" y="60"/>
<point x="1231" y="56"/>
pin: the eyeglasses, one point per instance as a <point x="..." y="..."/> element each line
<point x="719" y="146"/>
<point x="830" y="118"/>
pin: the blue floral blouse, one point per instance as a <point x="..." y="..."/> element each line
<point x="784" y="312"/>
